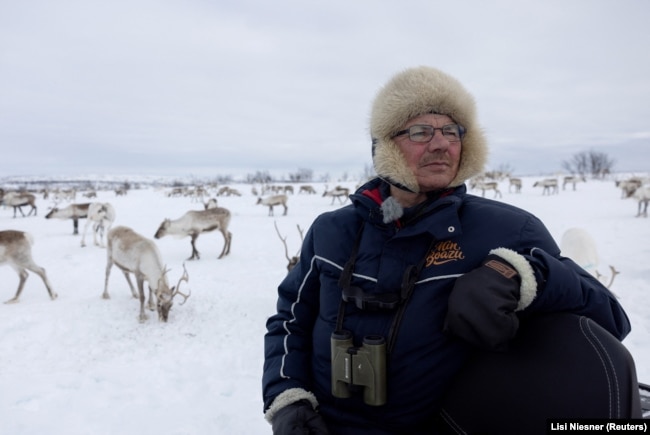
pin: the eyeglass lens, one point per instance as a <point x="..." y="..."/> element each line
<point x="424" y="133"/>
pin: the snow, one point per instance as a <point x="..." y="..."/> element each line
<point x="85" y="365"/>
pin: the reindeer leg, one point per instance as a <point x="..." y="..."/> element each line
<point x="41" y="272"/>
<point x="195" y="252"/>
<point x="22" y="274"/>
<point x="95" y="231"/>
<point x="105" y="295"/>
<point x="225" y="244"/>
<point x="229" y="240"/>
<point x="128" y="279"/>
<point x="75" y="226"/>
<point x="83" y="236"/>
<point x="98" y="229"/>
<point x="143" y="316"/>
<point x="152" y="303"/>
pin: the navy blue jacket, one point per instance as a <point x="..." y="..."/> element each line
<point x="453" y="232"/>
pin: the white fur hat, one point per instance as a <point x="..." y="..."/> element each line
<point x="415" y="92"/>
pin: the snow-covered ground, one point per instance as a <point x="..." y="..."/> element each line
<point x="85" y="365"/>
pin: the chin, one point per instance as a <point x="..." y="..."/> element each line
<point x="434" y="183"/>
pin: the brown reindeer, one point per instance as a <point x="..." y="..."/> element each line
<point x="16" y="250"/>
<point x="18" y="200"/>
<point x="195" y="222"/>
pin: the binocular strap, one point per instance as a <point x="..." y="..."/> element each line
<point x="406" y="289"/>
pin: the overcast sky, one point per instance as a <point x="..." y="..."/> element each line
<point x="202" y="87"/>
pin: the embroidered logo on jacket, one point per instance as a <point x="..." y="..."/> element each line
<point x="444" y="252"/>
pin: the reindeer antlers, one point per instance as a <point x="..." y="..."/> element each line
<point x="185" y="277"/>
<point x="292" y="260"/>
<point x="283" y="239"/>
<point x="611" y="278"/>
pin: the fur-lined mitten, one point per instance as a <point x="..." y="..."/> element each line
<point x="484" y="302"/>
<point x="299" y="418"/>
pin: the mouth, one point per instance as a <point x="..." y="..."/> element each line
<point x="436" y="165"/>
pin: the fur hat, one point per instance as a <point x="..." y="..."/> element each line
<point x="415" y="92"/>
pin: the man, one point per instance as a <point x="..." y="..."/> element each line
<point x="394" y="292"/>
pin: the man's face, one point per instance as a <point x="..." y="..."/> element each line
<point x="435" y="162"/>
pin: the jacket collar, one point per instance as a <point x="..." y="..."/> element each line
<point x="370" y="197"/>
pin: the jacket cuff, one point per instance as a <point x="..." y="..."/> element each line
<point x="288" y="397"/>
<point x="528" y="288"/>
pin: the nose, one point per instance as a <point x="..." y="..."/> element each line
<point x="438" y="141"/>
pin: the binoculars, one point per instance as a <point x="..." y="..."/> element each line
<point x="355" y="368"/>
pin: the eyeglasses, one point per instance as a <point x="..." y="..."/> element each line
<point x="424" y="133"/>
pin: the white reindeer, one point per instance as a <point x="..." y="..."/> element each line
<point x="642" y="195"/>
<point x="134" y="253"/>
<point x="18" y="200"/>
<point x="550" y="186"/>
<point x="486" y="185"/>
<point x="100" y="214"/>
<point x="195" y="222"/>
<point x="272" y="201"/>
<point x="578" y="245"/>
<point x="211" y="203"/>
<point x="516" y="183"/>
<point x="629" y="186"/>
<point x="16" y="250"/>
<point x="340" y="193"/>
<point x="573" y="180"/>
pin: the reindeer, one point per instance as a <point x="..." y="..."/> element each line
<point x="337" y="193"/>
<point x="642" y="195"/>
<point x="19" y="199"/>
<point x="578" y="245"/>
<point x="100" y="214"/>
<point x="307" y="189"/>
<point x="629" y="186"/>
<point x="134" y="253"/>
<point x="516" y="183"/>
<point x="485" y="185"/>
<point x="72" y="211"/>
<point x="211" y="203"/>
<point x="292" y="260"/>
<point x="549" y="186"/>
<point x="195" y="222"/>
<point x="16" y="250"/>
<point x="228" y="191"/>
<point x="272" y="201"/>
<point x="572" y="179"/>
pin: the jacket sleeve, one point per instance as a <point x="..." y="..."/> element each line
<point x="565" y="286"/>
<point x="288" y="340"/>
<point x="562" y="285"/>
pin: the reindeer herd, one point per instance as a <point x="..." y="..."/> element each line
<point x="134" y="254"/>
<point x="634" y="187"/>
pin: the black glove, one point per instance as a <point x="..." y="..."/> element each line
<point x="482" y="305"/>
<point x="299" y="418"/>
